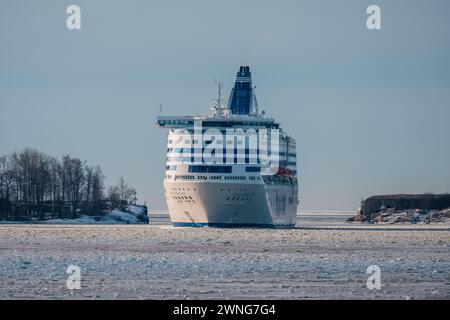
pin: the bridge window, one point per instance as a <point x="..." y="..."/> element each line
<point x="210" y="169"/>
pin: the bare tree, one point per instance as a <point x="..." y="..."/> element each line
<point x="93" y="189"/>
<point x="121" y="194"/>
<point x="113" y="195"/>
<point x="126" y="193"/>
<point x="98" y="184"/>
<point x="35" y="184"/>
<point x="89" y="174"/>
<point x="3" y="185"/>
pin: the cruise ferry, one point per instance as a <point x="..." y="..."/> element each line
<point x="235" y="167"/>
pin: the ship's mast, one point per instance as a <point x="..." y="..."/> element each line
<point x="219" y="93"/>
<point x="218" y="109"/>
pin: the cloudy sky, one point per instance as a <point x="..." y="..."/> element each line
<point x="370" y="109"/>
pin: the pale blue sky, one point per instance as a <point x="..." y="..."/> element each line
<point x="370" y="109"/>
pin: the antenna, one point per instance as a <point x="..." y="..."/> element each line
<point x="217" y="107"/>
<point x="219" y="92"/>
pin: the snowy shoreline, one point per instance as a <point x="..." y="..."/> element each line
<point x="131" y="215"/>
<point x="404" y="217"/>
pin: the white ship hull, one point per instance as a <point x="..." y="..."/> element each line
<point x="217" y="204"/>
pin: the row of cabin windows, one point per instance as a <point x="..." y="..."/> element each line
<point x="194" y="189"/>
<point x="228" y="198"/>
<point x="219" y="124"/>
<point x="210" y="169"/>
<point x="210" y="177"/>
<point x="246" y="158"/>
<point x="184" y="177"/>
<point x="215" y="169"/>
<point x="217" y="160"/>
<point x="190" y="151"/>
<point x="219" y="169"/>
<point x="235" y="178"/>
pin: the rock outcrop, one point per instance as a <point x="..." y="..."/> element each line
<point x="420" y="216"/>
<point x="405" y="208"/>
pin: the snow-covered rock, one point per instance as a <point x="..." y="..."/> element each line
<point x="133" y="214"/>
<point x="420" y="216"/>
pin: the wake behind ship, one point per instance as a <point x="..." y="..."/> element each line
<point x="233" y="168"/>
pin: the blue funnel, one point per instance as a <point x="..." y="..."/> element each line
<point x="241" y="98"/>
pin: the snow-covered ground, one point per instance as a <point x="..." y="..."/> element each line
<point x="317" y="260"/>
<point x="132" y="215"/>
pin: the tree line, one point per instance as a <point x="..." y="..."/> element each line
<point x="35" y="184"/>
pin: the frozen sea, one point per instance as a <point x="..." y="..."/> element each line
<point x="323" y="258"/>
